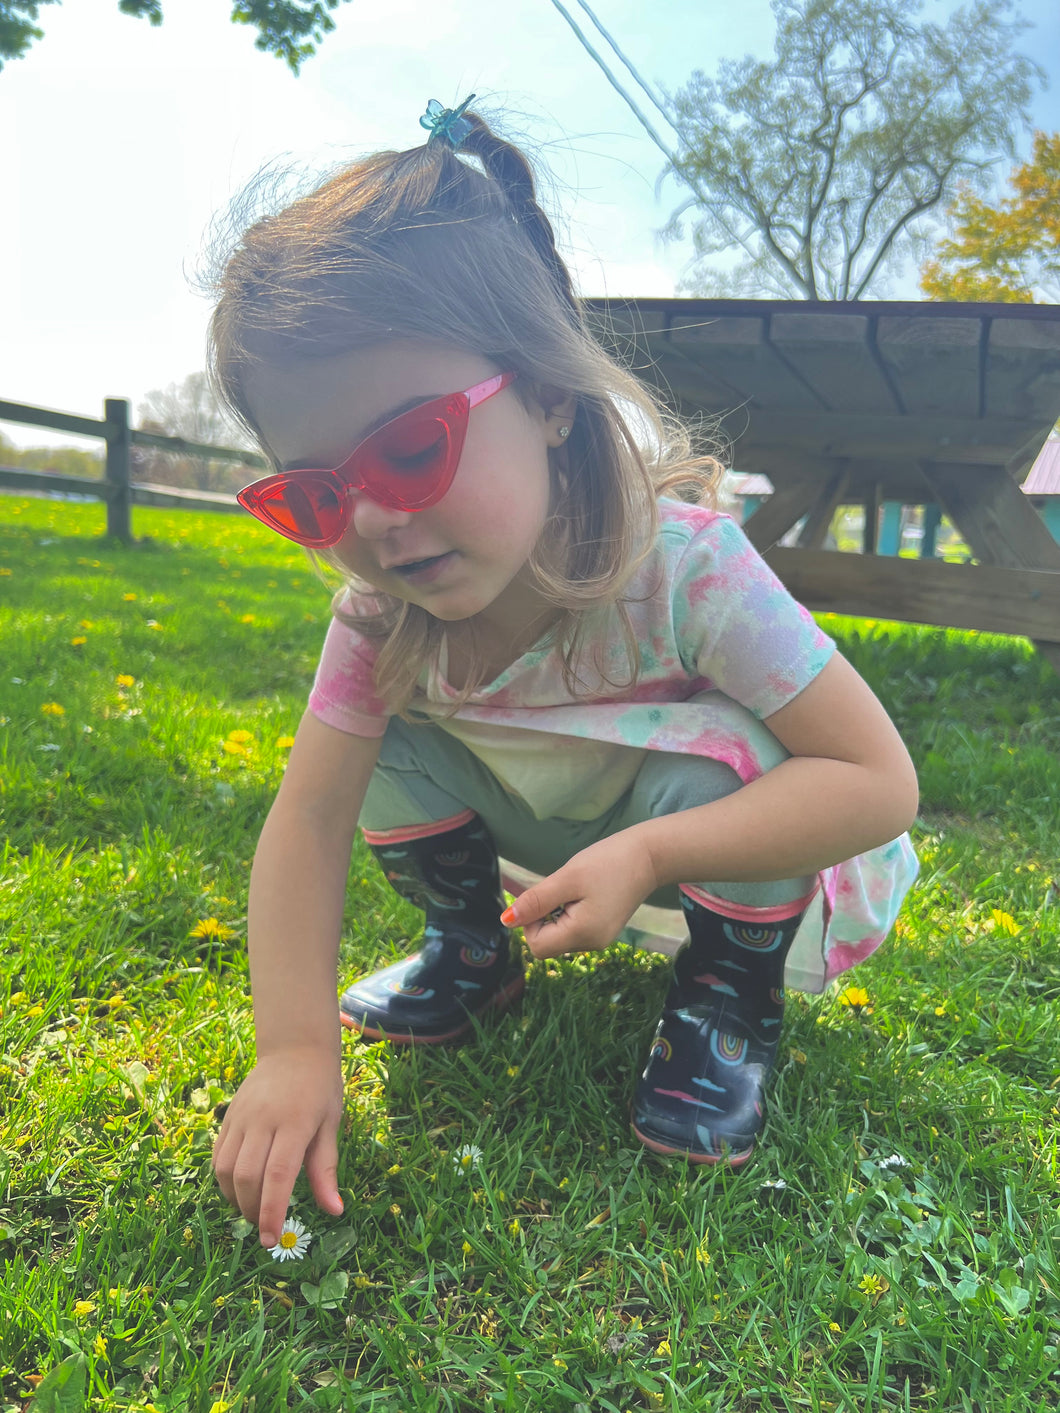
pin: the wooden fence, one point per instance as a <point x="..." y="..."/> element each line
<point x="116" y="487"/>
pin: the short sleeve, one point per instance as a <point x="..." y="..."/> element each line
<point x="344" y="693"/>
<point x="738" y="626"/>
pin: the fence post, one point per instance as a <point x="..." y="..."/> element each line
<point x="119" y="446"/>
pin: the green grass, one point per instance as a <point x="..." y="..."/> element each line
<point x="568" y="1269"/>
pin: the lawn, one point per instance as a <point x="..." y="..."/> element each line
<point x="893" y="1244"/>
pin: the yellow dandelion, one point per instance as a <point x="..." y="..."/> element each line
<point x="702" y="1254"/>
<point x="854" y="996"/>
<point x="241" y="736"/>
<point x="361" y="1282"/>
<point x="86" y="623"/>
<point x="211" y="927"/>
<point x="1005" y="922"/>
<point x="512" y="1071"/>
<point x="468" y="1249"/>
<point x="559" y="1363"/>
<point x="99" y="1347"/>
<point x="234" y="748"/>
<point x="874" y="1286"/>
<point x="53" y="709"/>
<point x="835" y="1329"/>
<point x="83" y="1308"/>
<point x="5" y="573"/>
<point x="393" y="1170"/>
<point x="513" y="1227"/>
<point x="78" y="642"/>
<point x="128" y="598"/>
<point x="247" y="618"/>
<point x="284" y="743"/>
<point x="152" y="623"/>
<point x="123" y="679"/>
<point x="395" y="1209"/>
<point x="940" y="1010"/>
<point x="219" y="1406"/>
<point x="664" y="1348"/>
<point x="221" y="1300"/>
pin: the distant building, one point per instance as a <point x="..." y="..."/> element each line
<point x="1042" y="486"/>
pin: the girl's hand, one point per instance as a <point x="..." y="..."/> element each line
<point x="287" y="1109"/>
<point x="584" y="905"/>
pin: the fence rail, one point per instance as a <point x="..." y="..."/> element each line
<point x="116" y="487"/>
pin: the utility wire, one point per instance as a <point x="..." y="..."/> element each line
<point x="638" y="78"/>
<point x="659" y="143"/>
<point x="697" y="191"/>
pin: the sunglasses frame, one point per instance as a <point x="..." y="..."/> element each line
<point x="453" y="412"/>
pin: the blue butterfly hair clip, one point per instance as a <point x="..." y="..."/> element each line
<point x="447" y="123"/>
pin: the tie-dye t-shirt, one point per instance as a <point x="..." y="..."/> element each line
<point x="723" y="645"/>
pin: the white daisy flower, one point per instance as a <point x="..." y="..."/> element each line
<point x="894" y="1161"/>
<point x="467" y="1157"/>
<point x="293" y="1243"/>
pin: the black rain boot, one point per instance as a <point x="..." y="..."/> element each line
<point x="466" y="964"/>
<point x="701" y="1095"/>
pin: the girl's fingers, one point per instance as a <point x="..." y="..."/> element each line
<point x="246" y="1174"/>
<point x="278" y="1180"/>
<point x="322" y="1170"/>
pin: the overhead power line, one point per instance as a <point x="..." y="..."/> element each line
<point x="637" y="76"/>
<point x="697" y="191"/>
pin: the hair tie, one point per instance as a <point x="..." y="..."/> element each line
<point x="447" y="123"/>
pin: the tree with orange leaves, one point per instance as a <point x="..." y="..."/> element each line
<point x="1009" y="252"/>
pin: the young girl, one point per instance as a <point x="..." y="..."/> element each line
<point x="541" y="654"/>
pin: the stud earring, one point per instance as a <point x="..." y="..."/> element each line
<point x="564" y="431"/>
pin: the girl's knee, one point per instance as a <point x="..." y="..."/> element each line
<point x="668" y="783"/>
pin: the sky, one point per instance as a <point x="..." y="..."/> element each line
<point x="122" y="144"/>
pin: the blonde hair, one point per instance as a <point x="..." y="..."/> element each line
<point x="421" y="244"/>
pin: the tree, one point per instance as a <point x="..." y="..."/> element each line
<point x="290" y="29"/>
<point x="189" y="410"/>
<point x="825" y="163"/>
<point x="1008" y="252"/>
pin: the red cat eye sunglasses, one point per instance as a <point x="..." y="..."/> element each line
<point x="406" y="464"/>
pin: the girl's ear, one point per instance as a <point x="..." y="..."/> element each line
<point x="559" y="412"/>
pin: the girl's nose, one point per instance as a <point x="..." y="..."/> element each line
<point x="373" y="521"/>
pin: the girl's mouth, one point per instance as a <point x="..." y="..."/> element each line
<point x="422" y="571"/>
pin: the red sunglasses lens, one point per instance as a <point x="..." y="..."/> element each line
<point x="409" y="462"/>
<point x="310" y="510"/>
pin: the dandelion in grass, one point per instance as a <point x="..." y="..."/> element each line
<point x="78" y="642"/>
<point x="123" y="679"/>
<point x="284" y="743"/>
<point x="53" y="709"/>
<point x="128" y="598"/>
<point x="83" y="1308"/>
<point x="213" y="929"/>
<point x="857" y="998"/>
<point x="1004" y="922"/>
<point x="293" y="1243"/>
<point x="468" y="1157"/>
<point x="874" y="1286"/>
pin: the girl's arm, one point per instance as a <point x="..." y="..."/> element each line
<point x="848" y="787"/>
<point x="288" y="1108"/>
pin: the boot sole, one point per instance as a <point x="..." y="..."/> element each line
<point x="500" y="1000"/>
<point x="731" y="1160"/>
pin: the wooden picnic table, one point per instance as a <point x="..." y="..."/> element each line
<point x="867" y="403"/>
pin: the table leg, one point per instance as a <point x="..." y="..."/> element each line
<point x="997" y="522"/>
